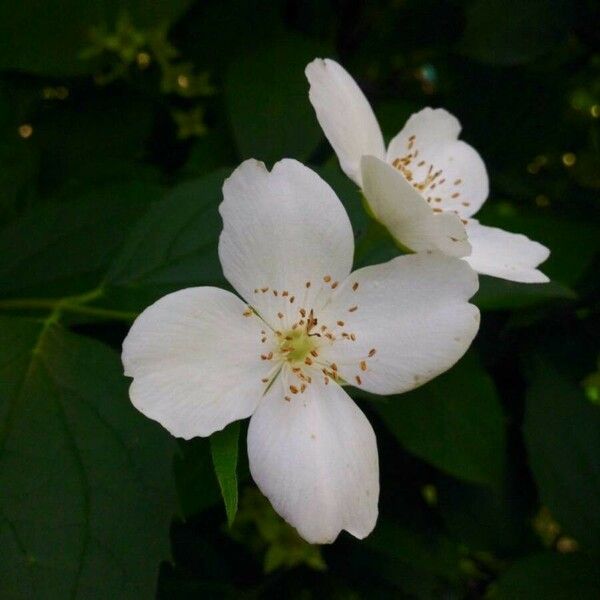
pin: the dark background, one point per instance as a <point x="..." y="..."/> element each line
<point x="118" y="123"/>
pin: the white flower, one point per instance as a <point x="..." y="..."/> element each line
<point x="201" y="358"/>
<point x="428" y="184"/>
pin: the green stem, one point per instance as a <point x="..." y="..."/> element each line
<point x="73" y="304"/>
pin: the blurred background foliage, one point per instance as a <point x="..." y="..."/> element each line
<point x="119" y="121"/>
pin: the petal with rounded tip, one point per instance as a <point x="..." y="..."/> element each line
<point x="430" y="126"/>
<point x="344" y="114"/>
<point x="195" y="361"/>
<point x="410" y="320"/>
<point x="315" y="458"/>
<point x="281" y="230"/>
<point x="451" y="172"/>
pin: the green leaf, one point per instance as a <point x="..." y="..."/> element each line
<point x="562" y="435"/>
<point x="197" y="486"/>
<point x="224" y="448"/>
<point x="87" y="493"/>
<point x="172" y="247"/>
<point x="549" y="577"/>
<point x="65" y="248"/>
<point x="267" y="96"/>
<point x="46" y="38"/>
<point x="455" y="422"/>
<point x="509" y="32"/>
<point x="210" y="152"/>
<point x="499" y="294"/>
<point x="212" y="42"/>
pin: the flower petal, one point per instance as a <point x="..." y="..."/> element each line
<point x="407" y="215"/>
<point x="195" y="361"/>
<point x="506" y="255"/>
<point x="410" y="318"/>
<point x="431" y="136"/>
<point x="344" y="114"/>
<point x="430" y="126"/>
<point x="315" y="458"/>
<point x="281" y="230"/>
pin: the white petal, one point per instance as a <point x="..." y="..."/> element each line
<point x="281" y="230"/>
<point x="463" y="183"/>
<point x="344" y="114"/>
<point x="430" y="126"/>
<point x="507" y="255"/>
<point x="195" y="361"/>
<point x="315" y="458"/>
<point x="407" y="215"/>
<point x="411" y="319"/>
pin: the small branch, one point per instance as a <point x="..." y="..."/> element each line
<point x="73" y="304"/>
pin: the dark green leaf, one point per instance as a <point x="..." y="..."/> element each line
<point x="224" y="448"/>
<point x="217" y="33"/>
<point x="87" y="492"/>
<point x="508" y="32"/>
<point x="562" y="434"/>
<point x="455" y="422"/>
<point x="549" y="577"/>
<point x="210" y="152"/>
<point x="46" y="38"/>
<point x="172" y="247"/>
<point x="267" y="96"/>
<point x="197" y="486"/>
<point x="499" y="294"/>
<point x="65" y="248"/>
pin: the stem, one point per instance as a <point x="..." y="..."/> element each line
<point x="73" y="304"/>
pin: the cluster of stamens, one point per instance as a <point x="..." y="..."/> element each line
<point x="431" y="180"/>
<point x="299" y="344"/>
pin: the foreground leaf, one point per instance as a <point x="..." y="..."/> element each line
<point x="224" y="448"/>
<point x="455" y="422"/>
<point x="87" y="495"/>
<point x="65" y="248"/>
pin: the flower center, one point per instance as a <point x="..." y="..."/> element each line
<point x="296" y="345"/>
<point x="303" y="343"/>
